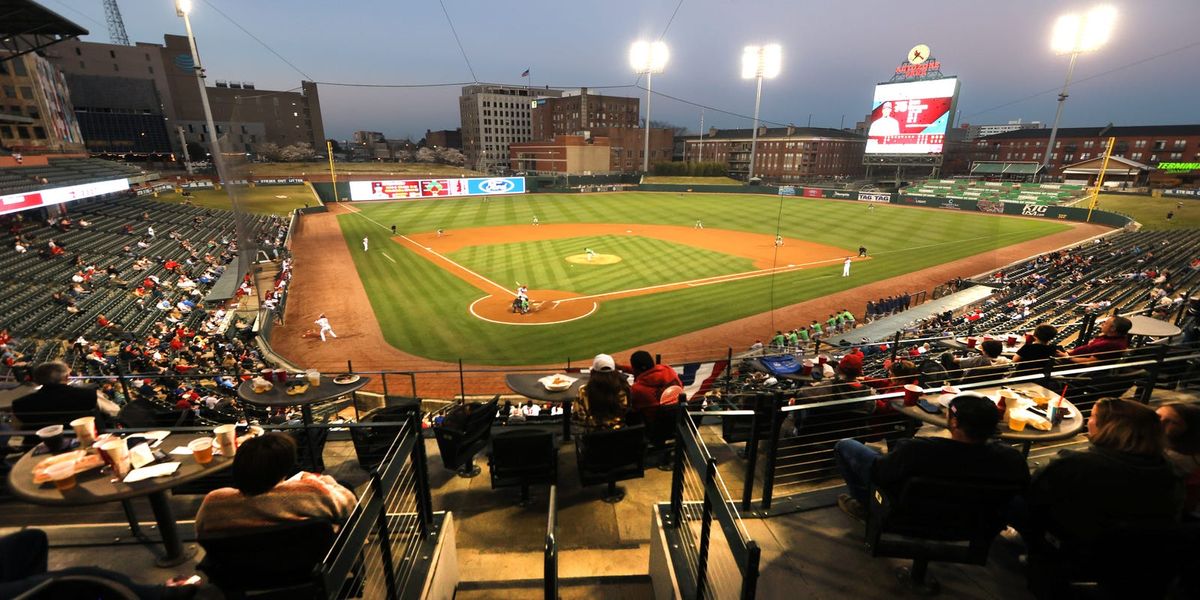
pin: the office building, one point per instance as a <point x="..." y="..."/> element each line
<point x="35" y="107"/>
<point x="494" y="116"/>
<point x="783" y="154"/>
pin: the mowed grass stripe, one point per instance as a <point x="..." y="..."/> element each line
<point x="422" y="309"/>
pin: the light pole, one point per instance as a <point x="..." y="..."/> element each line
<point x="1075" y="34"/>
<point x="759" y="62"/>
<point x="648" y="58"/>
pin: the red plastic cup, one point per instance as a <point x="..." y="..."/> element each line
<point x="268" y="374"/>
<point x="281" y="375"/>
<point x="1029" y="338"/>
<point x="970" y="342"/>
<point x="807" y="367"/>
<point x="821" y="358"/>
<point x="912" y="393"/>
<point x="1012" y="340"/>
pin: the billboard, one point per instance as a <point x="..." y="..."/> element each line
<point x="911" y="117"/>
<point x="411" y="189"/>
<point x="18" y="202"/>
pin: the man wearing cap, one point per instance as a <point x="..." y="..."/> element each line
<point x="965" y="455"/>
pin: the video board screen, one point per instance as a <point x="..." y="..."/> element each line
<point x="407" y="189"/>
<point x="18" y="202"/>
<point x="911" y="117"/>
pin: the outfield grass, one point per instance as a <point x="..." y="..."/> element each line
<point x="422" y="309"/>
<point x="684" y="180"/>
<point x="263" y="199"/>
<point x="1152" y="212"/>
<point x="644" y="260"/>
<point x="390" y="168"/>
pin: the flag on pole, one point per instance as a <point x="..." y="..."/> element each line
<point x="525" y="73"/>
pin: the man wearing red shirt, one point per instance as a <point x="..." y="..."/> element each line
<point x="649" y="381"/>
<point x="1113" y="340"/>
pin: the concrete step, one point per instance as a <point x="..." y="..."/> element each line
<point x="635" y="587"/>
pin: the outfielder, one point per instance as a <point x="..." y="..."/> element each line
<point x="364" y="244"/>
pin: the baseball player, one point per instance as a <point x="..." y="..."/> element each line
<point x="323" y="323"/>
<point x="846" y="267"/>
<point x="779" y="240"/>
<point x="535" y="221"/>
<point x="439" y="232"/>
<point x="590" y="254"/>
<point x="699" y="224"/>
<point x="364" y="244"/>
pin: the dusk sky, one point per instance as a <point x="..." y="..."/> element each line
<point x="833" y="54"/>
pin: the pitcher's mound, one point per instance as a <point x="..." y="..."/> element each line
<point x="597" y="259"/>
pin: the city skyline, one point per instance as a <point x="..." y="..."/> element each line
<point x="1000" y="52"/>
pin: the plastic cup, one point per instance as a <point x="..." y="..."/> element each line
<point x="52" y="437"/>
<point x="281" y="375"/>
<point x="63" y="475"/>
<point x="85" y="430"/>
<point x="116" y="453"/>
<point x="822" y="358"/>
<point x="1012" y="340"/>
<point x="1016" y="422"/>
<point x="912" y="393"/>
<point x="1029" y="338"/>
<point x="314" y="377"/>
<point x="226" y="436"/>
<point x="202" y="450"/>
<point x="807" y="367"/>
<point x="970" y="342"/>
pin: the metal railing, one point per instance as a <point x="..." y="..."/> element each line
<point x="710" y="562"/>
<point x="792" y="432"/>
<point x="550" y="558"/>
<point x="385" y="549"/>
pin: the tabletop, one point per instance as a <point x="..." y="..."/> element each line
<point x="1067" y="428"/>
<point x="526" y="384"/>
<point x="97" y="487"/>
<point x="1149" y="326"/>
<point x="328" y="390"/>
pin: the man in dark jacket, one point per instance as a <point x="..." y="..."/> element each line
<point x="966" y="455"/>
<point x="649" y="381"/>
<point x="56" y="402"/>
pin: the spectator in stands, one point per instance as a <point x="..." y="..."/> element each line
<point x="989" y="355"/>
<point x="19" y="247"/>
<point x="1033" y="355"/>
<point x="1122" y="478"/>
<point x="56" y="402"/>
<point x="899" y="374"/>
<point x="966" y="454"/>
<point x="530" y="409"/>
<point x="261" y="497"/>
<point x="1181" y="425"/>
<point x="1112" y="342"/>
<point x="604" y="400"/>
<point x="650" y="380"/>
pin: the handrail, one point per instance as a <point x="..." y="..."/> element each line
<point x="550" y="551"/>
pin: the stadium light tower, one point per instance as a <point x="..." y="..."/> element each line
<point x="1075" y="34"/>
<point x="648" y="58"/>
<point x="759" y="62"/>
<point x="183" y="8"/>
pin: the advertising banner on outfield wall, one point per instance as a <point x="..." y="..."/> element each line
<point x="18" y="202"/>
<point x="787" y="190"/>
<point x="814" y="192"/>
<point x="415" y="189"/>
<point x="1066" y="213"/>
<point x="874" y="197"/>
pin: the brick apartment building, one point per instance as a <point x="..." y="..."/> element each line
<point x="1146" y="144"/>
<point x="783" y="154"/>
<point x="567" y="129"/>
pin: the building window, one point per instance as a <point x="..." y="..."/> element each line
<point x="39" y="133"/>
<point x="151" y="69"/>
<point x="1136" y="156"/>
<point x="1180" y="143"/>
<point x="78" y="52"/>
<point x="116" y="67"/>
<point x="1160" y="144"/>
<point x="10" y="91"/>
<point x="112" y="53"/>
<point x="82" y="65"/>
<point x="1176" y="155"/>
<point x="1139" y="144"/>
<point x="27" y="92"/>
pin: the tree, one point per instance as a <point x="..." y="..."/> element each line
<point x="665" y="125"/>
<point x="426" y="155"/>
<point x="451" y="156"/>
<point x="270" y="152"/>
<point x="297" y="152"/>
<point x="403" y="155"/>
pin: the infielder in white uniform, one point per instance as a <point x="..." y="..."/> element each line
<point x="846" y="267"/>
<point x="365" y="244"/>
<point x="323" y="323"/>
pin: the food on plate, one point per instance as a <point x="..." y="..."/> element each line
<point x="345" y="379"/>
<point x="83" y="462"/>
<point x="296" y="390"/>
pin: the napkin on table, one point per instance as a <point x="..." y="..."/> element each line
<point x="158" y="470"/>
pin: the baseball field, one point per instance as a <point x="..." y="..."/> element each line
<point x="654" y="271"/>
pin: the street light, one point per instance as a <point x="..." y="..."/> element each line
<point x="759" y="62"/>
<point x="1075" y="34"/>
<point x="648" y="58"/>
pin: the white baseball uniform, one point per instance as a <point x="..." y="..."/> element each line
<point x="323" y="323"/>
<point x="365" y="244"/>
<point x="846" y="268"/>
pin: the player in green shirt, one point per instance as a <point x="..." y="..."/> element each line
<point x="804" y="334"/>
<point x="816" y="330"/>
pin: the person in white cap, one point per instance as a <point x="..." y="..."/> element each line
<point x="365" y="240"/>
<point x="846" y="267"/>
<point x="604" y="399"/>
<point x="323" y="323"/>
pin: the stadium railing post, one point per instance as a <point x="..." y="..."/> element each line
<point x="1160" y="354"/>
<point x="1183" y="309"/>
<point x="750" y="573"/>
<point x="895" y="346"/>
<point x="421" y="475"/>
<point x="676" y="516"/>
<point x="462" y="382"/>
<point x="710" y="469"/>
<point x="772" y="454"/>
<point x="752" y="452"/>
